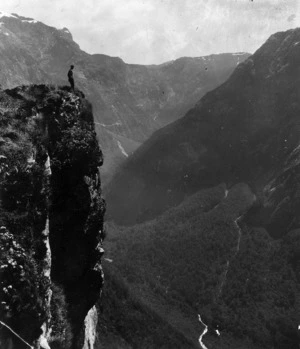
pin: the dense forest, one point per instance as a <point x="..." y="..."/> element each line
<point x="202" y="257"/>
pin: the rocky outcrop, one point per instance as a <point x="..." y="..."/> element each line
<point x="51" y="216"/>
<point x="90" y="329"/>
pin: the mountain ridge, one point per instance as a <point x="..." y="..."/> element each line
<point x="139" y="98"/>
<point x="243" y="130"/>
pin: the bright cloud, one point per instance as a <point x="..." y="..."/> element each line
<point x="155" y="31"/>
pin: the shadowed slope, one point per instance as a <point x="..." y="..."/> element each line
<point x="245" y="130"/>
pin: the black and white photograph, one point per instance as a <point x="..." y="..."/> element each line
<point x="150" y="174"/>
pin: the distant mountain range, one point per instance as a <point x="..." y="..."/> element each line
<point x="130" y="101"/>
<point x="246" y="130"/>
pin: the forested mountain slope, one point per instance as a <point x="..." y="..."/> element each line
<point x="204" y="258"/>
<point x="246" y="130"/>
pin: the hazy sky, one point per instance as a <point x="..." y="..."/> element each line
<point x="155" y="31"/>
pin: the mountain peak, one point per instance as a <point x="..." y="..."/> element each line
<point x="16" y="16"/>
<point x="6" y="14"/>
<point x="130" y="101"/>
<point x="66" y="33"/>
<point x="227" y="137"/>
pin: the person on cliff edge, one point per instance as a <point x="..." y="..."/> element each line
<point x="70" y="77"/>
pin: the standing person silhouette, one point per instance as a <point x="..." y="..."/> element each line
<point x="70" y="77"/>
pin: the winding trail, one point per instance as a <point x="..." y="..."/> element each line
<point x="234" y="255"/>
<point x="239" y="235"/>
<point x="227" y="266"/>
<point x="203" y="346"/>
<point x="223" y="279"/>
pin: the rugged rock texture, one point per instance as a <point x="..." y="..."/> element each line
<point x="51" y="216"/>
<point x="247" y="130"/>
<point x="130" y="101"/>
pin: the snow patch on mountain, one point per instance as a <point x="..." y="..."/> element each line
<point x="13" y="15"/>
<point x="30" y="20"/>
<point x="5" y="14"/>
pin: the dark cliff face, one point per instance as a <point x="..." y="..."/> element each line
<point x="51" y="215"/>
<point x="130" y="101"/>
<point x="245" y="130"/>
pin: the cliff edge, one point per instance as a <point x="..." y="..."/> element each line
<point x="51" y="218"/>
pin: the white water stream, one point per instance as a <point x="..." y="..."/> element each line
<point x="202" y="345"/>
<point x="122" y="149"/>
<point x="115" y="124"/>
